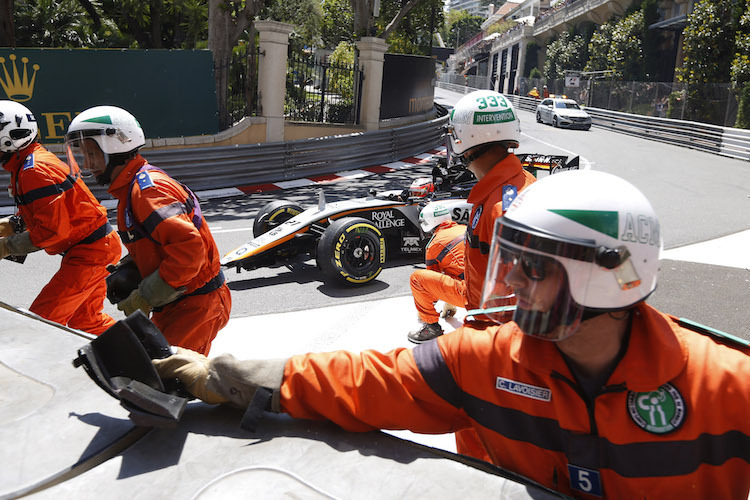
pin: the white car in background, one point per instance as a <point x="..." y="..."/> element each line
<point x="562" y="113"/>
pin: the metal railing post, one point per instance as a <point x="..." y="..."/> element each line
<point x="323" y="93"/>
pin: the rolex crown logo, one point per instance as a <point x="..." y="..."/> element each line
<point x="18" y="88"/>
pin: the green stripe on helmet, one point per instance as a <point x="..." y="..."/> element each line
<point x="100" y="119"/>
<point x="604" y="221"/>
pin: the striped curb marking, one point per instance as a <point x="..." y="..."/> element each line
<point x="345" y="175"/>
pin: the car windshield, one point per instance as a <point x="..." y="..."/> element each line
<point x="566" y="104"/>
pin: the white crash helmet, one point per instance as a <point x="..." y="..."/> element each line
<point x="114" y="129"/>
<point x="597" y="228"/>
<point x="432" y="215"/>
<point x="116" y="132"/>
<point x="18" y="127"/>
<point x="483" y="117"/>
<point x="421" y="187"/>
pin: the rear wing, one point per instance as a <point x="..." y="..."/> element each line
<point x="547" y="164"/>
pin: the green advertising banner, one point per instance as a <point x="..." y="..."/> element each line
<point x="170" y="92"/>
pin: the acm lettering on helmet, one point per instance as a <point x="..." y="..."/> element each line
<point x="641" y="229"/>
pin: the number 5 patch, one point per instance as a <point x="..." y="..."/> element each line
<point x="585" y="480"/>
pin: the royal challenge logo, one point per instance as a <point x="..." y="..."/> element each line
<point x="18" y="85"/>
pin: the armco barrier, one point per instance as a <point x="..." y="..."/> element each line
<point x="724" y="141"/>
<point x="232" y="166"/>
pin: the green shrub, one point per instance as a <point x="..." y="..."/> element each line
<point x="743" y="112"/>
<point x="674" y="106"/>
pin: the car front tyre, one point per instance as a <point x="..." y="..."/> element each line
<point x="351" y="252"/>
<point x="273" y="214"/>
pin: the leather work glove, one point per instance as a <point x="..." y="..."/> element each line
<point x="111" y="268"/>
<point x="449" y="310"/>
<point x="152" y="292"/>
<point x="223" y="379"/>
<point x="17" y="244"/>
<point x="6" y="228"/>
<point x="133" y="302"/>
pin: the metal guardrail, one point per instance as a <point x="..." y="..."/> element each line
<point x="234" y="166"/>
<point x="724" y="141"/>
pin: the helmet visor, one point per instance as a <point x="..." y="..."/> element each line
<point x="536" y="281"/>
<point x="82" y="145"/>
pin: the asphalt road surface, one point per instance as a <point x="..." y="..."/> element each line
<point x="698" y="197"/>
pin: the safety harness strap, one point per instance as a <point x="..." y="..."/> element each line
<point x="144" y="230"/>
<point x="474" y="242"/>
<point x="97" y="234"/>
<point x="213" y="284"/>
<point x="450" y="246"/>
<point x="45" y="191"/>
<point x="261" y="402"/>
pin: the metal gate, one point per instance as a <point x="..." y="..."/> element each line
<point x="322" y="91"/>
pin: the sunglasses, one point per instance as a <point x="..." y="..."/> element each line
<point x="533" y="265"/>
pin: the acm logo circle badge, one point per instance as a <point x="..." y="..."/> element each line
<point x="658" y="412"/>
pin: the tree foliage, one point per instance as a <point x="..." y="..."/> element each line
<point x="531" y="59"/>
<point x="391" y="15"/>
<point x="709" y="43"/>
<point x="305" y="15"/>
<point x="501" y="26"/>
<point x="110" y="23"/>
<point x="338" y="23"/>
<point x="599" y="45"/>
<point x="342" y="82"/>
<point x="415" y="32"/>
<point x="62" y="23"/>
<point x="459" y="27"/>
<point x="740" y="68"/>
<point x="568" y="52"/>
<point x="625" y="55"/>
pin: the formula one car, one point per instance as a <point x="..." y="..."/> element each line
<point x="351" y="239"/>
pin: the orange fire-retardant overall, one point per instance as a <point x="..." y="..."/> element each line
<point x="63" y="217"/>
<point x="490" y="196"/>
<point x="444" y="277"/>
<point x="170" y="234"/>
<point x="671" y="421"/>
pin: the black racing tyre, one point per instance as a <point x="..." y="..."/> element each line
<point x="538" y="117"/>
<point x="273" y="214"/>
<point x="351" y="251"/>
<point x="587" y="127"/>
<point x="554" y="122"/>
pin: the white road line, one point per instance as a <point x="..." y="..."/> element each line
<point x="238" y="230"/>
<point x="728" y="251"/>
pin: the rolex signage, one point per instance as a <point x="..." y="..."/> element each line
<point x="170" y="92"/>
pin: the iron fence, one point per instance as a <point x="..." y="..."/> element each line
<point x="711" y="103"/>
<point x="242" y="92"/>
<point x="318" y="90"/>
<point x="715" y="104"/>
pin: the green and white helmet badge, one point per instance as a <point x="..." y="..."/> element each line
<point x="658" y="412"/>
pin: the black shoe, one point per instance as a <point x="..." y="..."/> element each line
<point x="428" y="331"/>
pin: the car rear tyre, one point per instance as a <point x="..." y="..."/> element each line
<point x="274" y="213"/>
<point x="351" y="251"/>
<point x="538" y="117"/>
<point x="587" y="127"/>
